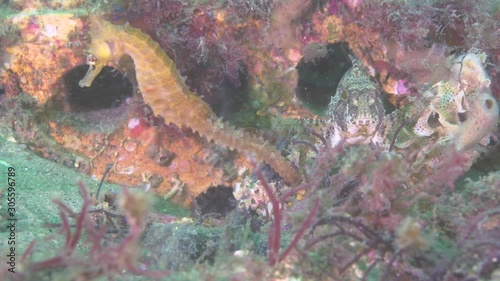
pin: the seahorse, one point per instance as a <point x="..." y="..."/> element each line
<point x="164" y="90"/>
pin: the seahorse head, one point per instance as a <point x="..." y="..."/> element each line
<point x="101" y="51"/>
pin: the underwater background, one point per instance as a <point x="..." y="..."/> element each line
<point x="249" y="140"/>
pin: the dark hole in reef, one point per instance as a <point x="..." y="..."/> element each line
<point x="166" y="160"/>
<point x="433" y="120"/>
<point x="386" y="103"/>
<point x="108" y="90"/>
<point x="319" y="78"/>
<point x="164" y="157"/>
<point x="231" y="95"/>
<point x="462" y="117"/>
<point x="2" y="90"/>
<point x="489" y="104"/>
<point x="225" y="92"/>
<point x="488" y="160"/>
<point x="216" y="200"/>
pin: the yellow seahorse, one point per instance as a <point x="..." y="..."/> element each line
<point x="164" y="90"/>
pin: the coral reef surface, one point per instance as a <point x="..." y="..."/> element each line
<point x="252" y="139"/>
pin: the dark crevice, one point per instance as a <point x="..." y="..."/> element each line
<point x="319" y="77"/>
<point x="462" y="117"/>
<point x="433" y="120"/>
<point x="216" y="200"/>
<point x="386" y="103"/>
<point x="108" y="90"/>
<point x="229" y="97"/>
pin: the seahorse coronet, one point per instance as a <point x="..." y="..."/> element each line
<point x="164" y="90"/>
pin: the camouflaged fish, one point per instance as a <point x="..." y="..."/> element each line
<point x="460" y="111"/>
<point x="355" y="112"/>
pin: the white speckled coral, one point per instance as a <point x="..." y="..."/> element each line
<point x="481" y="119"/>
<point x="465" y="109"/>
<point x="468" y="70"/>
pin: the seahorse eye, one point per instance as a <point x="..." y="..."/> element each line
<point x="92" y="60"/>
